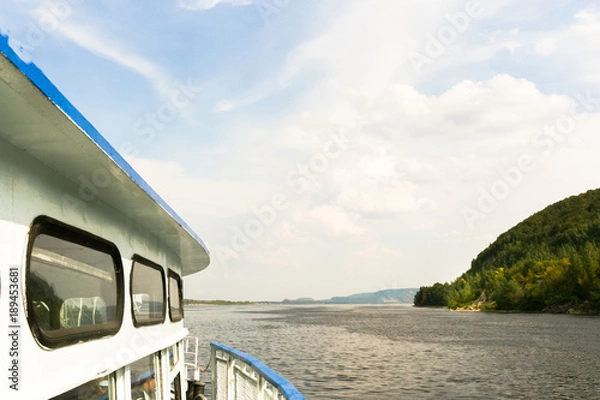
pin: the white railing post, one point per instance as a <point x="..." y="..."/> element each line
<point x="193" y="353"/>
<point x="259" y="388"/>
<point x="231" y="395"/>
<point x="213" y="372"/>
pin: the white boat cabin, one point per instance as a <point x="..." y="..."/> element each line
<point x="92" y="258"/>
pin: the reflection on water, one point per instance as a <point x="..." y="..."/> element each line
<point x="382" y="352"/>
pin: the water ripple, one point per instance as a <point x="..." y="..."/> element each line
<point x="390" y="352"/>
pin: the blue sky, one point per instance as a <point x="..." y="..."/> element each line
<point x="325" y="148"/>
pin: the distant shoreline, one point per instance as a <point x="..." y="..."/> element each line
<point x="382" y="297"/>
<point x="591" y="313"/>
<point x="188" y="302"/>
<point x="281" y="303"/>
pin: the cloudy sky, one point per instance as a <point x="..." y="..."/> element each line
<point x="329" y="147"/>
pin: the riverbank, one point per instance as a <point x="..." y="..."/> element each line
<point x="563" y="309"/>
<point x="188" y="302"/>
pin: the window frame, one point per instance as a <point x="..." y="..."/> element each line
<point x="147" y="263"/>
<point x="69" y="336"/>
<point x="174" y="275"/>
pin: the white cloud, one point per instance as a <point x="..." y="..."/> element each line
<point x="197" y="197"/>
<point x="370" y="185"/>
<point x="373" y="251"/>
<point x="368" y="46"/>
<point x="230" y="105"/>
<point x="547" y="46"/>
<point x="372" y="199"/>
<point x="568" y="50"/>
<point x="413" y="160"/>
<point x="578" y="45"/>
<point x="588" y="21"/>
<point x="379" y="167"/>
<point x="334" y="221"/>
<point x="502" y="108"/>
<point x="97" y="43"/>
<point x="507" y="40"/>
<point x="200" y="5"/>
<point x="363" y="46"/>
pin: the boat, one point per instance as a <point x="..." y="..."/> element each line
<point x="92" y="266"/>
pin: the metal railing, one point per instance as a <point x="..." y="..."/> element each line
<point x="190" y="358"/>
<point x="237" y="375"/>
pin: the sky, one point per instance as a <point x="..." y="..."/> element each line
<point x="329" y="147"/>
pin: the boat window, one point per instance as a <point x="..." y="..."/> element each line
<point x="147" y="292"/>
<point x="175" y="297"/>
<point x="74" y="285"/>
<point x="144" y="378"/>
<point x="96" y="389"/>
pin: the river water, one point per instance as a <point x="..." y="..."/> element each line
<point x="402" y="352"/>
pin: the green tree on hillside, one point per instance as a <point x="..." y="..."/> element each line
<point x="550" y="261"/>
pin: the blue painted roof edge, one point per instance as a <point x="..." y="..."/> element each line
<point x="282" y="384"/>
<point x="41" y="81"/>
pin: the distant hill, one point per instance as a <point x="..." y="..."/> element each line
<point x="548" y="262"/>
<point x="390" y="296"/>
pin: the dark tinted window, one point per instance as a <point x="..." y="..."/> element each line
<point x="147" y="292"/>
<point x="175" y="297"/>
<point x="74" y="285"/>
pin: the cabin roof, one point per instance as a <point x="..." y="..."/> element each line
<point x="37" y="118"/>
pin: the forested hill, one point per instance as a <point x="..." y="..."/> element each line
<point x="548" y="262"/>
